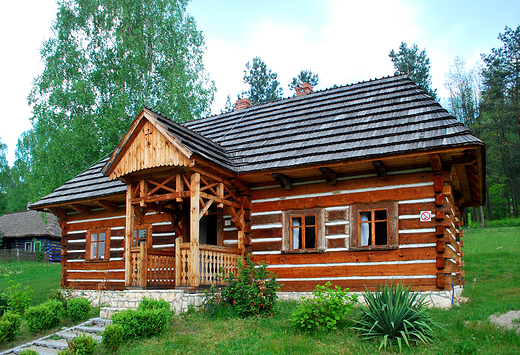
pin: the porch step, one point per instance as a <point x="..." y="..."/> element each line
<point x="51" y="345"/>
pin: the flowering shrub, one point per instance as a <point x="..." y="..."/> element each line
<point x="324" y="310"/>
<point x="251" y="292"/>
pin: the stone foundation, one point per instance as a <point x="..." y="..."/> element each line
<point x="114" y="301"/>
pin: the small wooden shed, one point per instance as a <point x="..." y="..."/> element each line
<point x="356" y="185"/>
<point x="32" y="231"/>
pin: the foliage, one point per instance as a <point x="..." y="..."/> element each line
<point x="305" y="76"/>
<point x="28" y="352"/>
<point x="4" y="179"/>
<point x="105" y="61"/>
<point x="150" y="303"/>
<point x="64" y="295"/>
<point x="17" y="299"/>
<point x="142" y="323"/>
<point x="263" y="85"/>
<point x="414" y="63"/>
<point x="78" y="309"/>
<point x="324" y="310"/>
<point x="44" y="316"/>
<point x="464" y="86"/>
<point x="112" y="337"/>
<point x="9" y="326"/>
<point x="81" y="345"/>
<point x="500" y="109"/>
<point x="252" y="292"/>
<point x="395" y="314"/>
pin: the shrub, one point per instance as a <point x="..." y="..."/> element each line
<point x="150" y="303"/>
<point x="252" y="292"/>
<point x="395" y="314"/>
<point x="9" y="326"/>
<point x="113" y="337"/>
<point x="80" y="345"/>
<point x="16" y="298"/>
<point x="142" y="323"/>
<point x="28" y="352"/>
<point x="62" y="294"/>
<point x="324" y="310"/>
<point x="44" y="316"/>
<point x="78" y="309"/>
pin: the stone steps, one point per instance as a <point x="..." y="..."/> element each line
<point x="50" y="345"/>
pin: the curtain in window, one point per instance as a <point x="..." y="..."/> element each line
<point x="296" y="222"/>
<point x="364" y="228"/>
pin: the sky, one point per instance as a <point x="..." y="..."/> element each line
<point x="343" y="41"/>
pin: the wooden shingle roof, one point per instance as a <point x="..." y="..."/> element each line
<point x="378" y="118"/>
<point x="87" y="185"/>
<point x="30" y="224"/>
<point x="375" y="119"/>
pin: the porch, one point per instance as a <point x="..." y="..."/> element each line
<point x="171" y="268"/>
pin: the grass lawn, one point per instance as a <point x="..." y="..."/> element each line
<point x="42" y="278"/>
<point x="492" y="285"/>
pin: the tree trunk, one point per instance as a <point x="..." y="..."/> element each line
<point x="482" y="221"/>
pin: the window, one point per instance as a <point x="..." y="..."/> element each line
<point x="303" y="231"/>
<point x="98" y="244"/>
<point x="141" y="234"/>
<point x="33" y="246"/>
<point x="373" y="226"/>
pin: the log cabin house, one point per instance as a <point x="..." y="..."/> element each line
<point x="356" y="185"/>
<point x="31" y="231"/>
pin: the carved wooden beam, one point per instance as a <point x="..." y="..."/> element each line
<point x="467" y="159"/>
<point x="380" y="169"/>
<point x="58" y="212"/>
<point x="436" y="162"/>
<point x="81" y="208"/>
<point x="329" y="175"/>
<point x="241" y="186"/>
<point x="108" y="205"/>
<point x="283" y="180"/>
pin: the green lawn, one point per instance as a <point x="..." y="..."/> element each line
<point x="42" y="278"/>
<point x="492" y="285"/>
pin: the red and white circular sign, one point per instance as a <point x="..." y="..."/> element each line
<point x="426" y="216"/>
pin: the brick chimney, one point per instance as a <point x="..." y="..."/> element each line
<point x="303" y="89"/>
<point x="243" y="103"/>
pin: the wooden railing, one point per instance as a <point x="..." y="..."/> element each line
<point x="213" y="259"/>
<point x="169" y="267"/>
<point x="161" y="268"/>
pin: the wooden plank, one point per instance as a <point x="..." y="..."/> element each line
<point x="347" y="185"/>
<point x="342" y="200"/>
<point x="406" y="254"/>
<point x="110" y="223"/>
<point x="418" y="284"/>
<point x="96" y="265"/>
<point x="194" y="270"/>
<point x="129" y="230"/>
<point x="354" y="270"/>
<point x="441" y="280"/>
<point x="438" y="183"/>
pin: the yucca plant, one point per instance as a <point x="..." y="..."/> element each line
<point x="395" y="314"/>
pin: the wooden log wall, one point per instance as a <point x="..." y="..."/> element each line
<point x="109" y="274"/>
<point x="415" y="261"/>
<point x="51" y="246"/>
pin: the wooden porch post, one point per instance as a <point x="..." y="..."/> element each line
<point x="143" y="264"/>
<point x="178" y="263"/>
<point x="129" y="230"/>
<point x="194" y="270"/>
